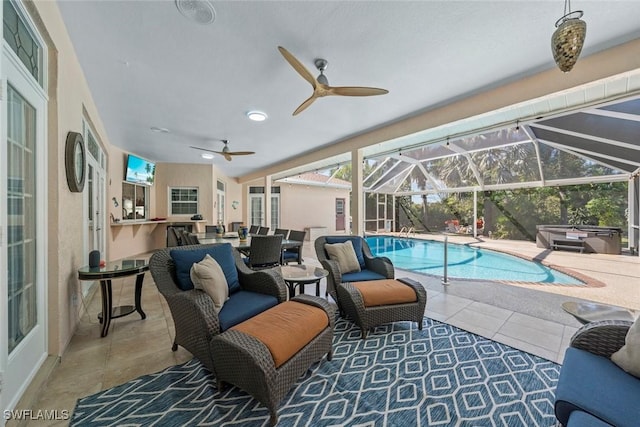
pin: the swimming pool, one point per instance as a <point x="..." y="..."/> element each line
<point x="427" y="256"/>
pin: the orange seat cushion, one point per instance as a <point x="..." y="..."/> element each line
<point x="286" y="328"/>
<point x="385" y="292"/>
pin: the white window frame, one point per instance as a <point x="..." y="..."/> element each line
<point x="137" y="187"/>
<point x="170" y="201"/>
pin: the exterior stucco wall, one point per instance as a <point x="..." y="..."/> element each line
<point x="303" y="206"/>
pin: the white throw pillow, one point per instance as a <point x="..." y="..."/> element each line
<point x="208" y="276"/>
<point x="628" y="357"/>
<point x="345" y="255"/>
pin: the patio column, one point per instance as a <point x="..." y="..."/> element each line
<point x="357" y="193"/>
<point x="245" y="205"/>
<point x="475" y="213"/>
<point x="267" y="201"/>
<point x="634" y="212"/>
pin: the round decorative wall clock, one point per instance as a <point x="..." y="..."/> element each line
<point x="75" y="160"/>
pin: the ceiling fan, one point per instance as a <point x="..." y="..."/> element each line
<point x="226" y="153"/>
<point x="321" y="84"/>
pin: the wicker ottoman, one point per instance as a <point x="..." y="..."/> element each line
<point x="384" y="301"/>
<point x="266" y="354"/>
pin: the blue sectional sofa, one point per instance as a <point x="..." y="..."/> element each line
<point x="593" y="391"/>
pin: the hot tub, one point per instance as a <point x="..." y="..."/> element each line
<point x="586" y="238"/>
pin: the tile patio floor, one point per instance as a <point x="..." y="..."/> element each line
<point x="136" y="347"/>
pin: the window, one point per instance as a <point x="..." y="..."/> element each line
<point x="275" y="211"/>
<point x="183" y="201"/>
<point x="221" y="201"/>
<point x="134" y="202"/>
<point x="256" y="206"/>
<point x="22" y="41"/>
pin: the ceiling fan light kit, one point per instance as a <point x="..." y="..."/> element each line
<point x="320" y="84"/>
<point x="568" y="38"/>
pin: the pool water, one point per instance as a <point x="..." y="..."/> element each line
<point x="427" y="256"/>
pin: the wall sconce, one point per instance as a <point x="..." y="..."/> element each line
<point x="235" y="204"/>
<point x="115" y="202"/>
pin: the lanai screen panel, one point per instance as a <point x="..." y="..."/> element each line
<point x="422" y="183"/>
<point x="492" y="139"/>
<point x="558" y="164"/>
<point x="387" y="166"/>
<point x="509" y="164"/>
<point x="396" y="180"/>
<point x="427" y="152"/>
<point x="453" y="171"/>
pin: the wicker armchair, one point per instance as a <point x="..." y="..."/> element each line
<point x="375" y="268"/>
<point x="592" y="390"/>
<point x="195" y="319"/>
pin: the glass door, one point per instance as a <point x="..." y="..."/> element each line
<point x="220" y="202"/>
<point x="23" y="205"/>
<point x="22" y="311"/>
<point x="95" y="199"/>
<point x="256" y="202"/>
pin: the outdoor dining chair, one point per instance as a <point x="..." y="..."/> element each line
<point x="173" y="238"/>
<point x="294" y="254"/>
<point x="262" y="231"/>
<point x="282" y="231"/>
<point x="254" y="229"/>
<point x="264" y="252"/>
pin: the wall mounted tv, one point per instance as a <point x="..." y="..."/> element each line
<point x="139" y="170"/>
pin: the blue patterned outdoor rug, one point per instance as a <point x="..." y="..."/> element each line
<point x="398" y="376"/>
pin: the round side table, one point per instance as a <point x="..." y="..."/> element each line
<point x="301" y="275"/>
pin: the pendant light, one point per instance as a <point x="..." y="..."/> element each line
<point x="568" y="38"/>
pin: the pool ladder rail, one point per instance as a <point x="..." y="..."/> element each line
<point x="407" y="232"/>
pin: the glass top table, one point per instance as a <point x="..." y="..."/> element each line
<point x="587" y="312"/>
<point x="112" y="270"/>
<point x="206" y="238"/>
<point x="300" y="275"/>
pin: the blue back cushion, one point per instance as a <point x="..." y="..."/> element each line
<point x="242" y="306"/>
<point x="362" y="276"/>
<point x="616" y="398"/>
<point x="223" y="254"/>
<point x="357" y="246"/>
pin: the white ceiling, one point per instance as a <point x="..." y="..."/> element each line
<point x="149" y="66"/>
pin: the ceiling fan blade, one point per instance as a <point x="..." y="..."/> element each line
<point x="297" y="65"/>
<point x="227" y="156"/>
<point x="240" y="153"/>
<point x="356" y="91"/>
<point x="205" y="149"/>
<point x="305" y="104"/>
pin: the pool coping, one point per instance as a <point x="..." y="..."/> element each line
<point x="587" y="280"/>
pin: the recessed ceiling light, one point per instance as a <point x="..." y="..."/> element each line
<point x="257" y="116"/>
<point x="207" y="156"/>
<point x="160" y="130"/>
<point x="198" y="11"/>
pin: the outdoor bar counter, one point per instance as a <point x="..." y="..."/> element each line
<point x="586" y="238"/>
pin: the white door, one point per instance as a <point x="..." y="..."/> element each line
<point x="23" y="322"/>
<point x="256" y="203"/>
<point x="221" y="196"/>
<point x="95" y="199"/>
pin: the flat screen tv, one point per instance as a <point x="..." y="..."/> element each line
<point x="139" y="170"/>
